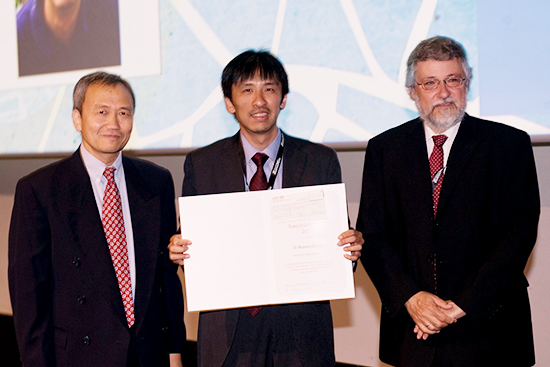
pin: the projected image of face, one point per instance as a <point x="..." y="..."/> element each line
<point x="443" y="106"/>
<point x="62" y="35"/>
<point x="106" y="120"/>
<point x="256" y="103"/>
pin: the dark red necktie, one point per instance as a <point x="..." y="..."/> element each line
<point x="258" y="182"/>
<point x="113" y="225"/>
<point x="436" y="168"/>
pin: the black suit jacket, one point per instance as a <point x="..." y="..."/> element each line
<point x="218" y="169"/>
<point x="485" y="229"/>
<point x="66" y="302"/>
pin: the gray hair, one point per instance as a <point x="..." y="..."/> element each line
<point x="99" y="77"/>
<point x="441" y="49"/>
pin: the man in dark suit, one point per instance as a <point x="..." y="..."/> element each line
<point x="255" y="87"/>
<point x="90" y="281"/>
<point x="449" y="211"/>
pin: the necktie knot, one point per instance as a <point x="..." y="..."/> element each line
<point x="259" y="181"/>
<point x="109" y="173"/>
<point x="259" y="159"/>
<point x="439" y="140"/>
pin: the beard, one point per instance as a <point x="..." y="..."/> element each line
<point x="446" y="118"/>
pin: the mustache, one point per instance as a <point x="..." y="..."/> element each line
<point x="444" y="101"/>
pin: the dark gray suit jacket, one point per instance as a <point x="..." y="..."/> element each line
<point x="218" y="169"/>
<point x="485" y="229"/>
<point x="66" y="302"/>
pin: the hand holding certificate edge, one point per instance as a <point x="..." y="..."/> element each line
<point x="354" y="239"/>
<point x="178" y="246"/>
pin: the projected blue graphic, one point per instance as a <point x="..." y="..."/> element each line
<point x="345" y="60"/>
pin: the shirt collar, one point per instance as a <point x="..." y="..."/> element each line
<point x="450" y="132"/>
<point x="95" y="167"/>
<point x="271" y="150"/>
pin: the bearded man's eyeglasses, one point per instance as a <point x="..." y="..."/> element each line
<point x="451" y="82"/>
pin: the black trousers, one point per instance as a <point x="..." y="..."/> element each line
<point x="441" y="358"/>
<point x="266" y="339"/>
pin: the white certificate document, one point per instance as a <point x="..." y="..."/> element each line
<point x="265" y="247"/>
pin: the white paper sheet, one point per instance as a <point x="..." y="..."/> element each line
<point x="265" y="247"/>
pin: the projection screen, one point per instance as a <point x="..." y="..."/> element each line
<point x="345" y="60"/>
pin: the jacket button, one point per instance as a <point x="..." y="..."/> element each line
<point x="81" y="300"/>
<point x="76" y="262"/>
<point x="86" y="340"/>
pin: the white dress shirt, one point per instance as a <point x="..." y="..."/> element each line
<point x="451" y="135"/>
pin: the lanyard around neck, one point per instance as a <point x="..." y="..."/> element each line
<point x="276" y="165"/>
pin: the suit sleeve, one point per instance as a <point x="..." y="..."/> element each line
<point x="517" y="213"/>
<point x="29" y="274"/>
<point x="379" y="258"/>
<point x="334" y="170"/>
<point x="173" y="294"/>
<point x="334" y="177"/>
<point x="189" y="185"/>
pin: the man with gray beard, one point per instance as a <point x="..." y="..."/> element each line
<point x="449" y="213"/>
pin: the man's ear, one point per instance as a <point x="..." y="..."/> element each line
<point x="77" y="120"/>
<point x="412" y="93"/>
<point x="229" y="105"/>
<point x="283" y="102"/>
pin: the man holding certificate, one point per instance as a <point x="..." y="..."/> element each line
<point x="259" y="157"/>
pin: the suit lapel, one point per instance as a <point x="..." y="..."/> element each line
<point x="143" y="207"/>
<point x="87" y="230"/>
<point x="294" y="163"/>
<point x="463" y="147"/>
<point x="230" y="163"/>
<point x="418" y="166"/>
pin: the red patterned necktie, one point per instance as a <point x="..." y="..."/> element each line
<point x="436" y="168"/>
<point x="258" y="182"/>
<point x="113" y="225"/>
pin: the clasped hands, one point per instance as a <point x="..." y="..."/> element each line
<point x="431" y="314"/>
<point x="351" y="241"/>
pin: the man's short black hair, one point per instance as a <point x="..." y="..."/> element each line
<point x="246" y="65"/>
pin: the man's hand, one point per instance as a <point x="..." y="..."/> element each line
<point x="456" y="311"/>
<point x="355" y="241"/>
<point x="177" y="247"/>
<point x="175" y="360"/>
<point x="429" y="313"/>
